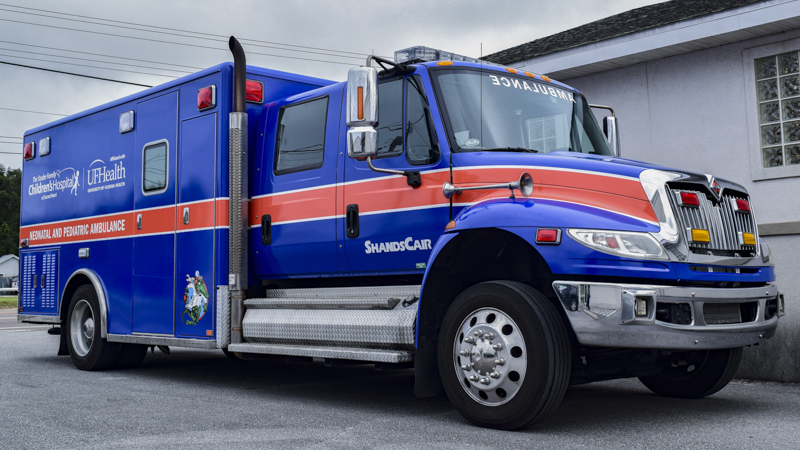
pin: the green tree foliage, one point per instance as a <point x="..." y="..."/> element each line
<point x="10" y="191"/>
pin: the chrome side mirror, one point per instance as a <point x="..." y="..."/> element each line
<point x="611" y="129"/>
<point x="362" y="112"/>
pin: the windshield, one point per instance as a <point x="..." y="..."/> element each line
<point x="493" y="111"/>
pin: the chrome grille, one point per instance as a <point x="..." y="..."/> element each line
<point x="721" y="220"/>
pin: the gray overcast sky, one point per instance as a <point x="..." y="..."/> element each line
<point x="35" y="33"/>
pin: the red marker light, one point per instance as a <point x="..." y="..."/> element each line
<point x="206" y="98"/>
<point x="254" y="91"/>
<point x="742" y="205"/>
<point x="689" y="199"/>
<point x="548" y="236"/>
<point x="29" y="153"/>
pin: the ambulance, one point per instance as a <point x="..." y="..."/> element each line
<point x="472" y="221"/>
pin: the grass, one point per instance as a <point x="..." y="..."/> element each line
<point x="8" y="302"/>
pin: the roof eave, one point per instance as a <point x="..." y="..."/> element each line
<point x="734" y="25"/>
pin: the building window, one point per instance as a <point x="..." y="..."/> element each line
<point x="778" y="92"/>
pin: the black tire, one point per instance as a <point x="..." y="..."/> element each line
<point x="695" y="374"/>
<point x="542" y="368"/>
<point x="130" y="356"/>
<point x="88" y="352"/>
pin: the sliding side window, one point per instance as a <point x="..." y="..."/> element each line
<point x="154" y="168"/>
<point x="300" y="142"/>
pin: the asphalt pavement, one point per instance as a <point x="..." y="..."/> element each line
<point x="200" y="399"/>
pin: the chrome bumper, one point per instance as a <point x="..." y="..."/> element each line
<point x="624" y="316"/>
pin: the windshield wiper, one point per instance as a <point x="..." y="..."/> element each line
<point x="511" y="149"/>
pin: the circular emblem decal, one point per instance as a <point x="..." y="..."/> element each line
<point x="471" y="142"/>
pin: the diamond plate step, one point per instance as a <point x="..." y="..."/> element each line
<point x="355" y="354"/>
<point x="389" y="329"/>
<point x="376" y="292"/>
<point x="324" y="303"/>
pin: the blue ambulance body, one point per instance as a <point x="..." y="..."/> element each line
<point x="133" y="201"/>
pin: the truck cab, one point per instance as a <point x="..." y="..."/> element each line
<point x="472" y="221"/>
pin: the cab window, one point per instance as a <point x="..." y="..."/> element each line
<point x="390" y="118"/>
<point x="300" y="142"/>
<point x="409" y="129"/>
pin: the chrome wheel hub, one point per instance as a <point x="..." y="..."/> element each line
<point x="490" y="356"/>
<point x="82" y="328"/>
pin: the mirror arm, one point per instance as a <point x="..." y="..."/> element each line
<point x="604" y="107"/>
<point x="412" y="176"/>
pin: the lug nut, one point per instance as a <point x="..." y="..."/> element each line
<point x="497" y="346"/>
<point x="485" y="381"/>
<point x="465" y="367"/>
<point x="469" y="340"/>
<point x="489" y="336"/>
<point x="500" y="361"/>
<point x="495" y="374"/>
<point x="473" y="378"/>
<point x="464" y="352"/>
<point x="478" y="333"/>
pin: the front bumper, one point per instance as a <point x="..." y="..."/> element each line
<point x="624" y="315"/>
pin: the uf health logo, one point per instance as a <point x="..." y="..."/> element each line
<point x="99" y="176"/>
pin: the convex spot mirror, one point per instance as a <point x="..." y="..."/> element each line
<point x="362" y="112"/>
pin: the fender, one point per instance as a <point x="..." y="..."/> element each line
<point x="99" y="288"/>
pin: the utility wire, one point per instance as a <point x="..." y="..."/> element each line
<point x="10" y="137"/>
<point x="74" y="74"/>
<point x="100" y="54"/>
<point x="177" y="34"/>
<point x="90" y="60"/>
<point x="168" y="42"/>
<point x="183" y="31"/>
<point x="12" y="153"/>
<point x="84" y="65"/>
<point x="33" y="112"/>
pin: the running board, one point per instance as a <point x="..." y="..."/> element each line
<point x="380" y="318"/>
<point x="353" y="354"/>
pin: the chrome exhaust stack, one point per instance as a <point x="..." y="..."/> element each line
<point x="237" y="192"/>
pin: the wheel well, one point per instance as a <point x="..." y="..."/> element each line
<point x="74" y="283"/>
<point x="472" y="257"/>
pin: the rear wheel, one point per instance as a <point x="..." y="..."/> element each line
<point x="87" y="349"/>
<point x="504" y="355"/>
<point x="695" y="374"/>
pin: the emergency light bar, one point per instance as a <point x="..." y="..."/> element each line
<point x="421" y="53"/>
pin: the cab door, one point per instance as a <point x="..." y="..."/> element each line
<point x="154" y="202"/>
<point x="390" y="226"/>
<point x="296" y="214"/>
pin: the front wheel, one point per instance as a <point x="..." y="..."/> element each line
<point x="504" y="355"/>
<point x="695" y="374"/>
<point x="87" y="349"/>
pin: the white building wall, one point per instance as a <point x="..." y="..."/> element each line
<point x="9" y="268"/>
<point x="690" y="111"/>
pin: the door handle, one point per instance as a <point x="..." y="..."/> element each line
<point x="352" y="221"/>
<point x="266" y="229"/>
<point x="139" y="222"/>
<point x="186" y="215"/>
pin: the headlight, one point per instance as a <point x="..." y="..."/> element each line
<point x="620" y="243"/>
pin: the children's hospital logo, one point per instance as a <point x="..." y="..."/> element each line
<point x="195" y="299"/>
<point x="49" y="185"/>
